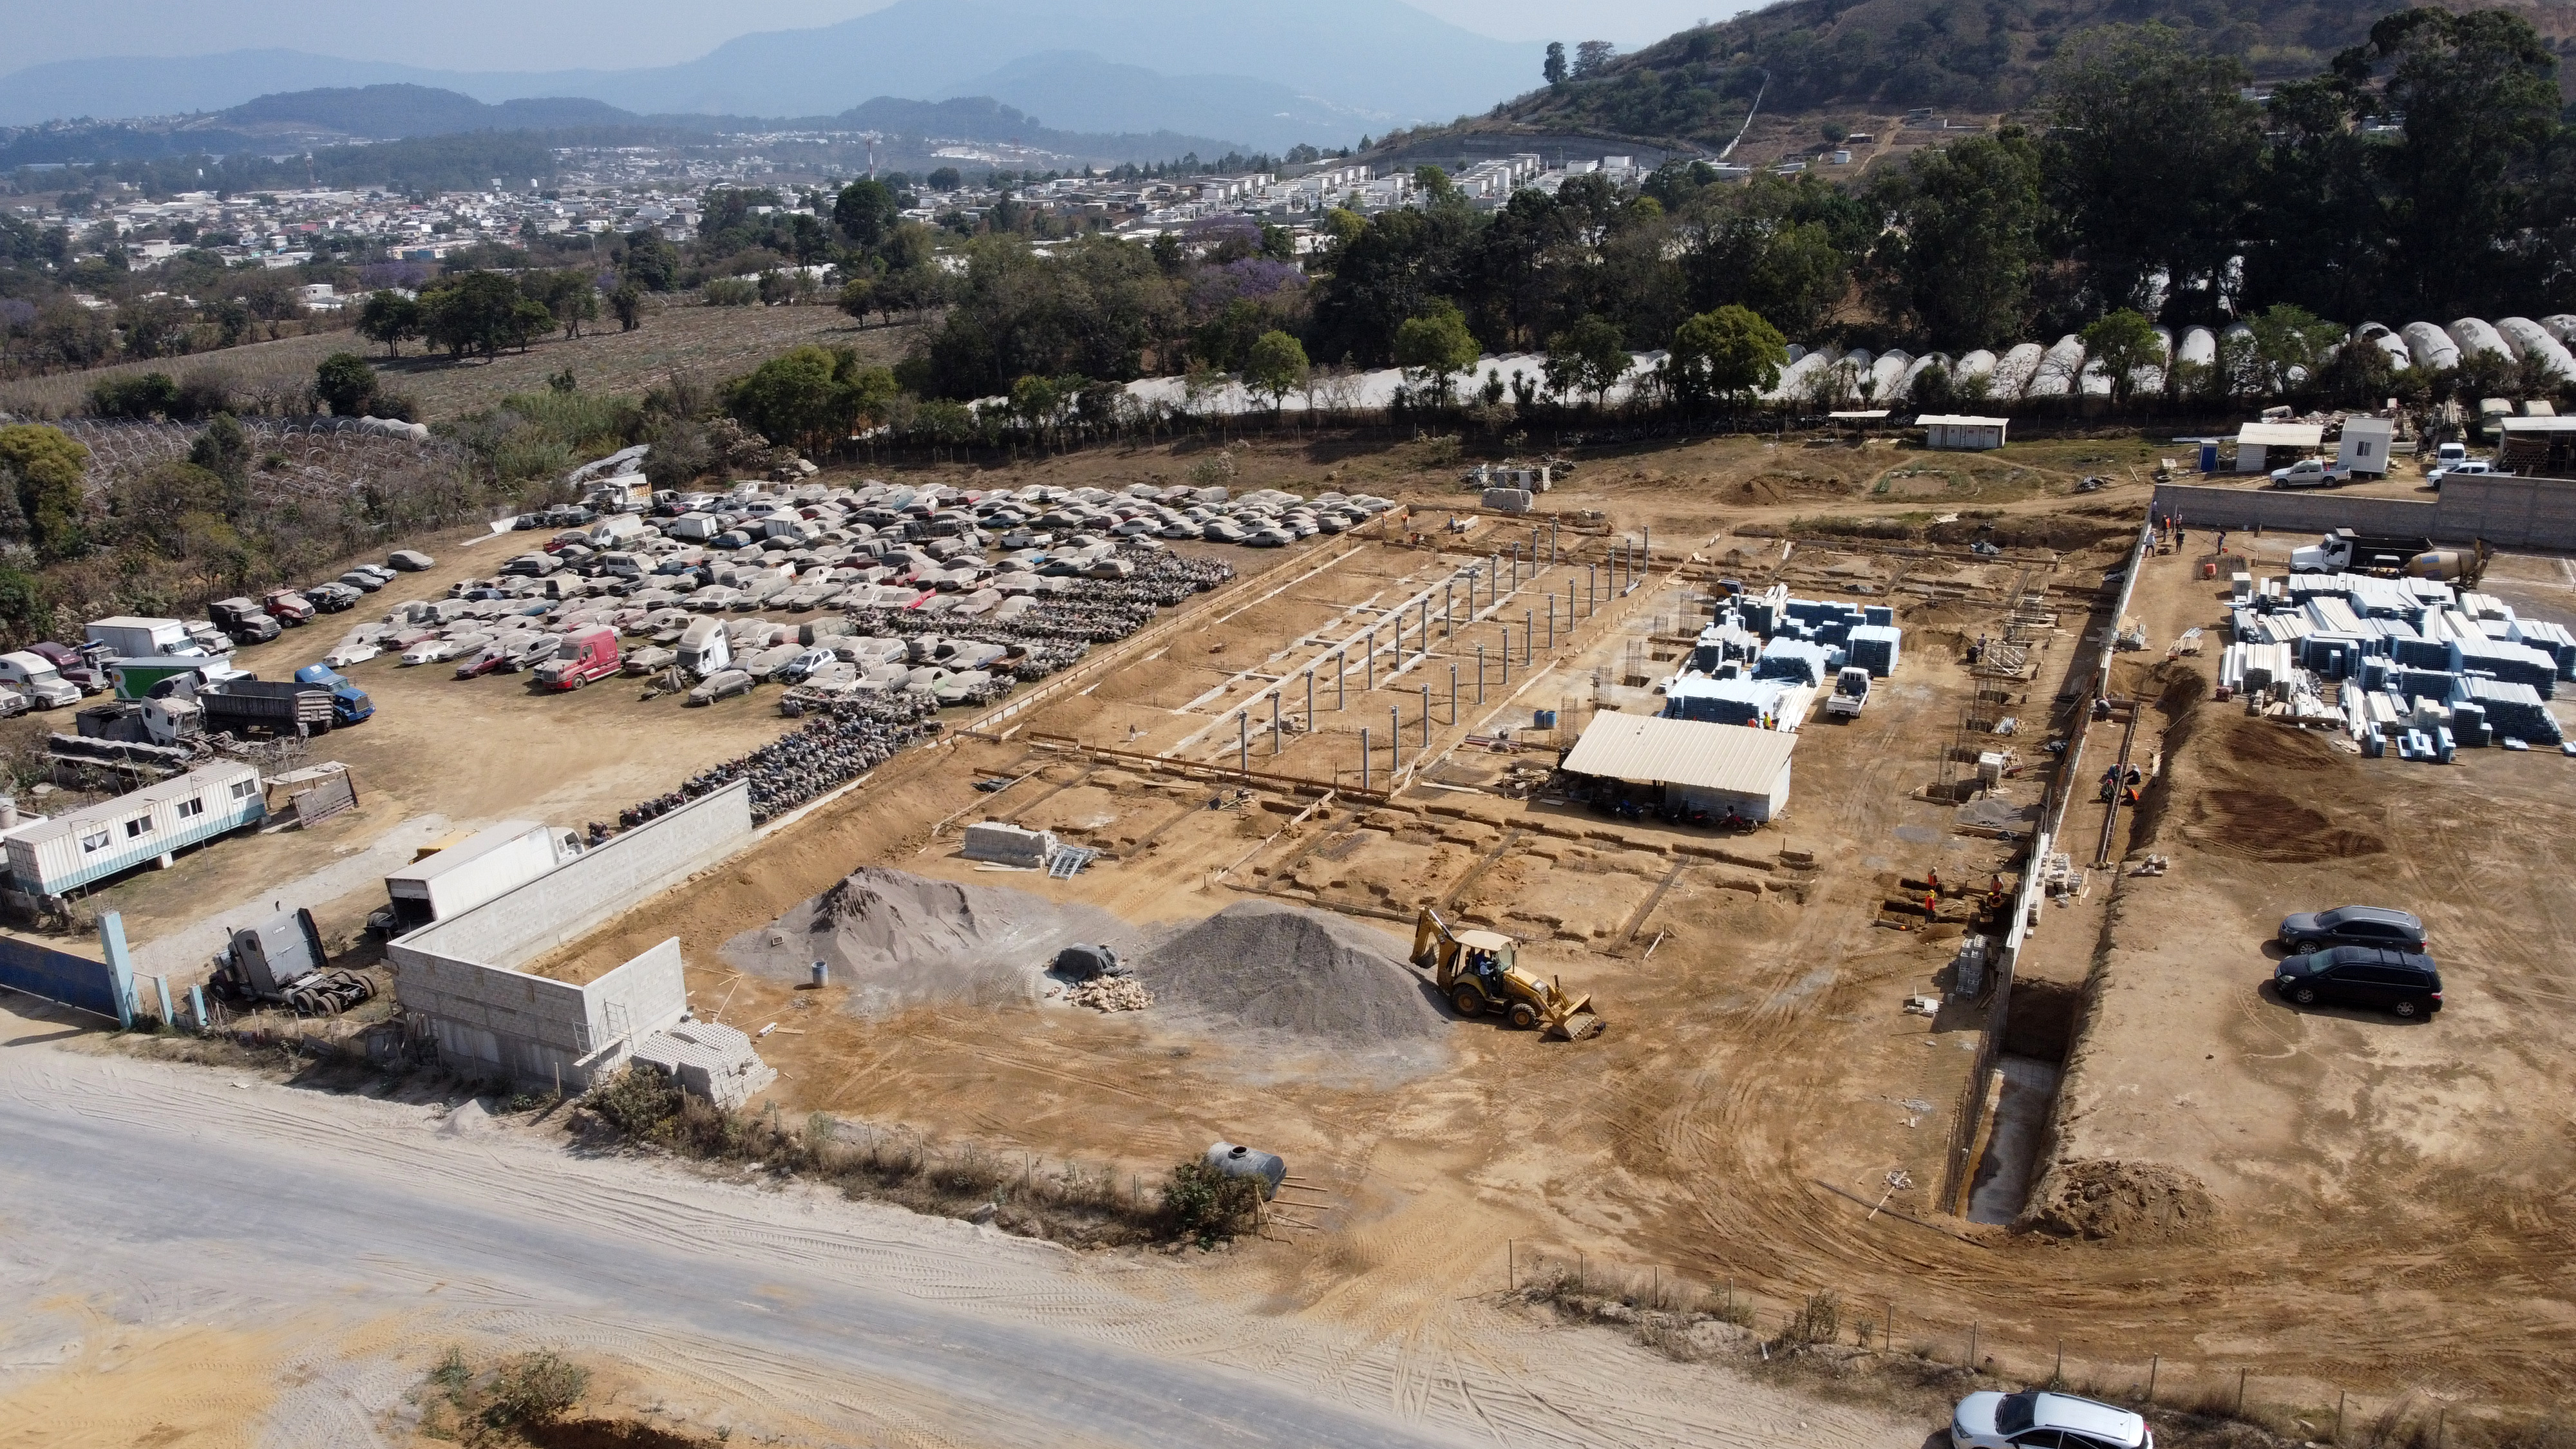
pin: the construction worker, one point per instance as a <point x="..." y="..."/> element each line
<point x="1934" y="876"/>
<point x="1931" y="906"/>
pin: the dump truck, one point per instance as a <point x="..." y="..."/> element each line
<point x="1851" y="692"/>
<point x="280" y="962"/>
<point x="255" y="707"/>
<point x="1480" y="973"/>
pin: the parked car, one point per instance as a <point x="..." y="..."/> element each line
<point x="2403" y="983"/>
<point x="2311" y="473"/>
<point x="2352" y="926"/>
<point x="411" y="561"/>
<point x="724" y="685"/>
<point x="2032" y="1419"/>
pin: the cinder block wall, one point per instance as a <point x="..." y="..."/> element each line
<point x="2505" y="511"/>
<point x="565" y="904"/>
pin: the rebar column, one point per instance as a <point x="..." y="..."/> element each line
<point x="1480" y="676"/>
<point x="1591" y="590"/>
<point x="1529" y="636"/>
<point x="1551" y="543"/>
<point x="1341" y="673"/>
<point x="1551" y="621"/>
<point x="1507" y="656"/>
<point x="1449" y="609"/>
<point x="1243" y="743"/>
<point x="1368" y="663"/>
<point x="1422" y="623"/>
<point x="1310" y="699"/>
<point x="1426" y="720"/>
<point x="1453" y="694"/>
<point x="1394" y="739"/>
<point x="1278" y="740"/>
<point x="1364" y="757"/>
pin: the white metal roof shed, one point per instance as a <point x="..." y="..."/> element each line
<point x="2281" y="435"/>
<point x="1726" y="765"/>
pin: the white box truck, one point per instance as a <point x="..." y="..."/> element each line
<point x="127" y="637"/>
<point x="458" y="877"/>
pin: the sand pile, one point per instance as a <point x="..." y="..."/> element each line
<point x="2118" y="1202"/>
<point x="899" y="940"/>
<point x="1266" y="966"/>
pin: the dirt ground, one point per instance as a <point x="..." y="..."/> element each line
<point x="1762" y="1112"/>
<point x="711" y="342"/>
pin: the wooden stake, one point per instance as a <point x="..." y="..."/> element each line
<point x="2240" y="1392"/>
<point x="2155" y="1361"/>
<point x="2338" y="1433"/>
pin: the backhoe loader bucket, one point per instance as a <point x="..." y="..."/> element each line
<point x="1572" y="1020"/>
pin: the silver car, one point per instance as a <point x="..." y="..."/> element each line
<point x="2033" y="1419"/>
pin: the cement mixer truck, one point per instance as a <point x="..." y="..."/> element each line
<point x="2391" y="556"/>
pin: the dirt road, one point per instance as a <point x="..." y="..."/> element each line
<point x="196" y="1256"/>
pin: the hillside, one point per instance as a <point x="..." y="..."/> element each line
<point x="1822" y="57"/>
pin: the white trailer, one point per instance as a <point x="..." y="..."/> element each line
<point x="128" y="637"/>
<point x="474" y="870"/>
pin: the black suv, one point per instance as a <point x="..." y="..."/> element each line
<point x="2352" y="926"/>
<point x="2403" y="982"/>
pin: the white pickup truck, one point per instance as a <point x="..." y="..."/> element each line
<point x="1851" y="692"/>
<point x="2311" y="473"/>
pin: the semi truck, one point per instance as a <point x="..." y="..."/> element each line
<point x="34" y="676"/>
<point x="281" y="962"/>
<point x="704" y="650"/>
<point x="349" y="703"/>
<point x="457" y="877"/>
<point x="586" y="654"/>
<point x="244" y="620"/>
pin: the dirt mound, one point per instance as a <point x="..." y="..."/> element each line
<point x="2263" y="825"/>
<point x="898" y="939"/>
<point x="1263" y="965"/>
<point x="2252" y="744"/>
<point x="2109" y="1201"/>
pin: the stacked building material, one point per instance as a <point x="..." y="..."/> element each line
<point x="2511" y="663"/>
<point x="1797" y="659"/>
<point x="2511" y="710"/>
<point x="1735" y="701"/>
<point x="1873" y="647"/>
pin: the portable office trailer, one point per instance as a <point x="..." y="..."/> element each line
<point x="477" y="869"/>
<point x="1950" y="432"/>
<point x="90" y="844"/>
<point x="2365" y="445"/>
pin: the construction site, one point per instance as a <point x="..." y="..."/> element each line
<point x="1944" y="989"/>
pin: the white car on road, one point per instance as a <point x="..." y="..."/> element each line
<point x="2034" y="1419"/>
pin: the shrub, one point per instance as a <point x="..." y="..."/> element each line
<point x="137" y="397"/>
<point x="731" y="292"/>
<point x="534" y="1388"/>
<point x="639" y="1101"/>
<point x="1818" y="1320"/>
<point x="1209" y="1205"/>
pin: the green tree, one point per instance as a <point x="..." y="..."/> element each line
<point x="867" y="213"/>
<point x="223" y="451"/>
<point x="475" y="312"/>
<point x="1436" y="345"/>
<point x="345" y="384"/>
<point x="1275" y="367"/>
<point x="1589" y="357"/>
<point x="26" y="614"/>
<point x="1731" y="353"/>
<point x="570" y="297"/>
<point x="652" y="263"/>
<point x="2120" y="343"/>
<point x="814" y="395"/>
<point x="1552" y="70"/>
<point x="627" y="302"/>
<point x="390" y="318"/>
<point x="135" y="396"/>
<point x="2151" y="157"/>
<point x="2480" y="96"/>
<point x="44" y="467"/>
<point x="1956" y="261"/>
<point x="859" y="297"/>
<point x="2290" y="345"/>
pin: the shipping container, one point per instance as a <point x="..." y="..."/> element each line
<point x="87" y="845"/>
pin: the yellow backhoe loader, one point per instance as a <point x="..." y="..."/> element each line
<point x="1479" y="973"/>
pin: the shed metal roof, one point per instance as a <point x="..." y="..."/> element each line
<point x="1957" y="420"/>
<point x="1641" y="748"/>
<point x="2281" y="435"/>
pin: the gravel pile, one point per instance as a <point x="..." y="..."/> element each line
<point x="1258" y="964"/>
<point x="897" y="940"/>
<point x="1110" y="993"/>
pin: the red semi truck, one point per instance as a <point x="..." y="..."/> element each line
<point x="587" y="654"/>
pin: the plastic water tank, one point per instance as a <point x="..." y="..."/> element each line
<point x="1237" y="1161"/>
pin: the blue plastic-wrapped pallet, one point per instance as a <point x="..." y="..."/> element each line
<point x="2421" y="653"/>
<point x="2469" y="725"/>
<point x="2512" y="663"/>
<point x="1758" y="616"/>
<point x="1874" y="648"/>
<point x="2444" y="746"/>
<point x="1877" y="614"/>
<point x="1799" y="660"/>
<point x="2423" y="683"/>
<point x="2374" y="673"/>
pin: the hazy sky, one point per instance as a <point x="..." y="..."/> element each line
<point x="571" y="34"/>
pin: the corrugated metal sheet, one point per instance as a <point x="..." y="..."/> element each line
<point x="1645" y="749"/>
<point x="2281" y="435"/>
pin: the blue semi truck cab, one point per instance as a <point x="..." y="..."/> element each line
<point x="349" y="703"/>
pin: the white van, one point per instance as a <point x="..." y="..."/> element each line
<point x="34" y="676"/>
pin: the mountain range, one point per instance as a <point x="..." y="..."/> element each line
<point x="1324" y="71"/>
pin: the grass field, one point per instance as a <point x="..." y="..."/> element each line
<point x="713" y="342"/>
